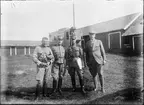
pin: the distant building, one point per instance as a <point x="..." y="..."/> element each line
<point x="110" y="32"/>
<point x="133" y="38"/>
<point x="13" y="47"/>
<point x="63" y="32"/>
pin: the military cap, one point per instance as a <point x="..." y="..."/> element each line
<point x="92" y="32"/>
<point x="60" y="38"/>
<point x="45" y="38"/>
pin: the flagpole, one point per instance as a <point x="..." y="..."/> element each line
<point x="73" y="14"/>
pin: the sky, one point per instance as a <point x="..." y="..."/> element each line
<point x="31" y="20"/>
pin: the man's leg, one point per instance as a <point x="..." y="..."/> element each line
<point x="61" y="71"/>
<point x="54" y="85"/>
<point x="39" y="78"/>
<point x="55" y="77"/>
<point x="95" y="82"/>
<point x="81" y="80"/>
<point x="91" y="68"/>
<point x="72" y="75"/>
<point x="100" y="73"/>
<point x="44" y="89"/>
<point x="38" y="88"/>
<point x="94" y="71"/>
<point x="60" y="85"/>
<point x="45" y="82"/>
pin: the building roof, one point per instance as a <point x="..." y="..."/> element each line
<point x="136" y="27"/>
<point x="23" y="43"/>
<point x="111" y="25"/>
<point x="19" y="43"/>
<point x="134" y="30"/>
<point x="59" y="32"/>
<point x="129" y="22"/>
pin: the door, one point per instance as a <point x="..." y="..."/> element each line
<point x="115" y="42"/>
<point x="138" y="44"/>
<point x="86" y="39"/>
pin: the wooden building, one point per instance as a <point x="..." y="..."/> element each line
<point x="110" y="32"/>
<point x="133" y="39"/>
<point x="118" y="35"/>
<point x="11" y="47"/>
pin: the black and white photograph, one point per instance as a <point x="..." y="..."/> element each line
<point x="71" y="52"/>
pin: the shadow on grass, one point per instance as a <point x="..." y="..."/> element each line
<point x="29" y="93"/>
<point x="122" y="96"/>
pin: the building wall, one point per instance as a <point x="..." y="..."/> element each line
<point x="13" y="50"/>
<point x="104" y="38"/>
<point x="20" y="50"/>
<point x="133" y="44"/>
<point x="127" y="44"/>
<point x="138" y="44"/>
<point x="32" y="49"/>
<point x="111" y="38"/>
<point x="5" y="51"/>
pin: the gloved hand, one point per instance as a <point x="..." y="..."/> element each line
<point x="48" y="63"/>
<point x="104" y="62"/>
<point x="65" y="68"/>
<point x="43" y="64"/>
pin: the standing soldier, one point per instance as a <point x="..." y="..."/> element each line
<point x="58" y="65"/>
<point x="43" y="57"/>
<point x="74" y="57"/>
<point x="96" y="58"/>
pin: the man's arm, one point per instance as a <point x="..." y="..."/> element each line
<point x="66" y="57"/>
<point x="51" y="56"/>
<point x="35" y="56"/>
<point x="102" y="51"/>
<point x="86" y="52"/>
<point x="81" y="53"/>
<point x="65" y="62"/>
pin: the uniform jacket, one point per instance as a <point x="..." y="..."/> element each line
<point x="59" y="53"/>
<point x="42" y="55"/>
<point x="71" y="53"/>
<point x="95" y="51"/>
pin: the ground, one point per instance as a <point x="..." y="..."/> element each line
<point x="123" y="77"/>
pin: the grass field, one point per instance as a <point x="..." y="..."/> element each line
<point x="123" y="77"/>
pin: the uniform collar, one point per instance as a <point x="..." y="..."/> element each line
<point x="74" y="44"/>
<point x="59" y="45"/>
<point x="93" y="40"/>
<point x="44" y="46"/>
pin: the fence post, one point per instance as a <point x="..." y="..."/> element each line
<point x="24" y="50"/>
<point x="15" y="51"/>
<point x="10" y="51"/>
<point x="29" y="50"/>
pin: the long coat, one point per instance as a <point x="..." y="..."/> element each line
<point x="95" y="52"/>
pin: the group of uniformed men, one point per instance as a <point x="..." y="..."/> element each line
<point x="57" y="59"/>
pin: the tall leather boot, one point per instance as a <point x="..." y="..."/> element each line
<point x="45" y="89"/>
<point x="82" y="86"/>
<point x="73" y="84"/>
<point x="54" y="87"/>
<point x="38" y="91"/>
<point x="59" y="86"/>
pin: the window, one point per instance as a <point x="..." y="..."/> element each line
<point x="67" y="35"/>
<point x="55" y="38"/>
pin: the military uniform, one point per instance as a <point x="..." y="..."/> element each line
<point x="58" y="66"/>
<point x="73" y="53"/>
<point x="95" y="58"/>
<point x="42" y="56"/>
